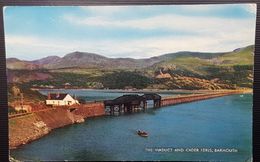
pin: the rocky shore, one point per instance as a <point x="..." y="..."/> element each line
<point x="27" y="128"/>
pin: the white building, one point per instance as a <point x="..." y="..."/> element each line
<point x="60" y="99"/>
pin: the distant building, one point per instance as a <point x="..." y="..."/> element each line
<point x="67" y="85"/>
<point x="162" y="75"/>
<point x="60" y="99"/>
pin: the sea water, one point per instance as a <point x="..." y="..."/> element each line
<point x="190" y="131"/>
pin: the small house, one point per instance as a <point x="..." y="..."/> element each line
<point x="26" y="108"/>
<point x="60" y="99"/>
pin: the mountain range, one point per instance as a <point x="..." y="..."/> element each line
<point x="81" y="60"/>
<point x="180" y="70"/>
<point x="91" y="60"/>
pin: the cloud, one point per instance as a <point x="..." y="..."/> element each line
<point x="177" y="9"/>
<point x="174" y="23"/>
<point x="205" y="34"/>
<point x="250" y="7"/>
<point x="203" y="7"/>
<point x="32" y="47"/>
<point x="104" y="10"/>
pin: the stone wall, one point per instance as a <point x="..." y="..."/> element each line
<point x="191" y="98"/>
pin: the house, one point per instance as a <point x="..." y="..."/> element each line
<point x="26" y="108"/>
<point x="60" y="99"/>
<point x="162" y="75"/>
<point x="67" y="85"/>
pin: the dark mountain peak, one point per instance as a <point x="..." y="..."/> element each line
<point x="47" y="60"/>
<point x="155" y="57"/>
<point x="51" y="57"/>
<point x="75" y="54"/>
<point x="79" y="55"/>
<point x="237" y="50"/>
<point x="125" y="59"/>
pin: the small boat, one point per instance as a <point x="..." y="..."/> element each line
<point x="142" y="133"/>
<point x="241" y="95"/>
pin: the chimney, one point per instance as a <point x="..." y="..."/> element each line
<point x="49" y="96"/>
<point x="57" y="94"/>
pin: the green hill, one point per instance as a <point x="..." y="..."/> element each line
<point x="234" y="67"/>
<point x="243" y="56"/>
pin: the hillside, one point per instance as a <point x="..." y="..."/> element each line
<point x="181" y="70"/>
<point x="241" y="56"/>
<point x="46" y="61"/>
<point x="234" y="67"/>
<point x="81" y="60"/>
<point x="90" y="60"/>
<point x="14" y="63"/>
<point x="15" y="91"/>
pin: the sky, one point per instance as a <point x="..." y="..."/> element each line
<point x="127" y="31"/>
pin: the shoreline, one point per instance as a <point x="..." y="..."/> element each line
<point x="27" y="128"/>
<point x="43" y="135"/>
<point x="244" y="90"/>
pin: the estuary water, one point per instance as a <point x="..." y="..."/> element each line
<point x="100" y="95"/>
<point x="190" y="131"/>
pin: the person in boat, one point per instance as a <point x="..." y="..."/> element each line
<point x="142" y="133"/>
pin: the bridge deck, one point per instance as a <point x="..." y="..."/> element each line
<point x="132" y="103"/>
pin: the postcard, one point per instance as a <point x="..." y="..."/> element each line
<point x="132" y="82"/>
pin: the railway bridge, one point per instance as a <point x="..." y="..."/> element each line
<point x="131" y="103"/>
